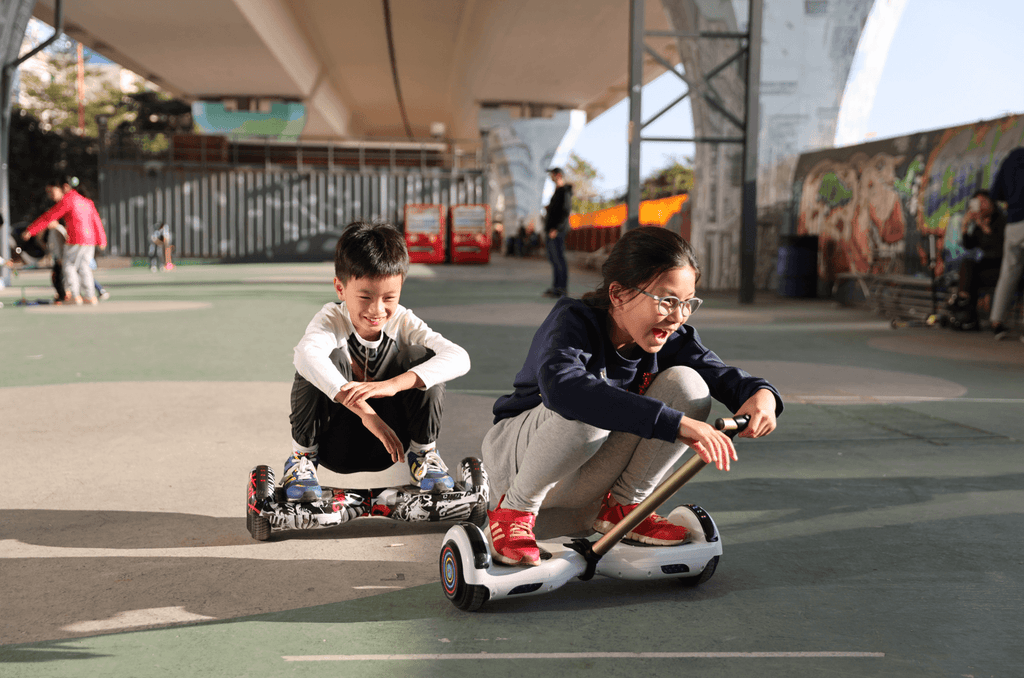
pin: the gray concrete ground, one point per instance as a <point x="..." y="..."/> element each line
<point x="877" y="532"/>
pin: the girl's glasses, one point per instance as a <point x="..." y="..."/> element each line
<point x="668" y="305"/>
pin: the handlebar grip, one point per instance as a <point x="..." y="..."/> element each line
<point x="732" y="425"/>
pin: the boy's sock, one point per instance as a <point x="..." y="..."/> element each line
<point x="428" y="471"/>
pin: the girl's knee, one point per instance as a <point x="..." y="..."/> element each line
<point x="683" y="389"/>
<point x="573" y="433"/>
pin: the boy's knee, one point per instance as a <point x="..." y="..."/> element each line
<point x="683" y="389"/>
<point x="413" y="355"/>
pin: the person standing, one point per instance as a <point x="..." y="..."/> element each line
<point x="84" y="234"/>
<point x="1008" y="187"/>
<point x="556" y="227"/>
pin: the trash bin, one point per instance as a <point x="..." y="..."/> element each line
<point x="798" y="266"/>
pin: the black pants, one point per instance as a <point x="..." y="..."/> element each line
<point x="977" y="274"/>
<point x="345" y="445"/>
<point x="559" y="267"/>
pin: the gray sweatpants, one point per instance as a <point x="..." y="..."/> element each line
<point x="78" y="278"/>
<point x="1009" y="272"/>
<point x="561" y="469"/>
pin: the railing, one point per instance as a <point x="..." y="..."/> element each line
<point x="345" y="155"/>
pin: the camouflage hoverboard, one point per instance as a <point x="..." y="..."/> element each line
<point x="267" y="511"/>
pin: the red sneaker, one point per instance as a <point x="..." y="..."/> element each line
<point x="654" y="529"/>
<point x="510" y="535"/>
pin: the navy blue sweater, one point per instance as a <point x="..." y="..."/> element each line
<point x="573" y="369"/>
<point x="1008" y="185"/>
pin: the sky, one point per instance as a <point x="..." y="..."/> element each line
<point x="949" y="63"/>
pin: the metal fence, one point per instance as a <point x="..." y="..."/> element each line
<point x="240" y="214"/>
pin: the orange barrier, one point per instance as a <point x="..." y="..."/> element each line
<point x="590" y="232"/>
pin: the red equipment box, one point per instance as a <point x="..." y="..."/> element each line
<point x="425" y="231"/>
<point x="471" y="234"/>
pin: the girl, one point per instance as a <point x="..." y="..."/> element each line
<point x="84" y="233"/>
<point x="615" y="387"/>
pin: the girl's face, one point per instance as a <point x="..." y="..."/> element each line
<point x="371" y="302"/>
<point x="55" y="193"/>
<point x="637" y="322"/>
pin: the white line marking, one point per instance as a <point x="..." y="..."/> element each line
<point x="578" y="655"/>
<point x="135" y="618"/>
<point x="377" y="587"/>
<point x="838" y="399"/>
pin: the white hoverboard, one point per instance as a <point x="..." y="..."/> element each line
<point x="471" y="577"/>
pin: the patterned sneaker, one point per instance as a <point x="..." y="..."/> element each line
<point x="510" y="534"/>
<point x="654" y="529"/>
<point x="428" y="471"/>
<point x="300" y="482"/>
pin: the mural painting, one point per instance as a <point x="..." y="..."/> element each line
<point x="874" y="206"/>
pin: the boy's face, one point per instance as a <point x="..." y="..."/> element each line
<point x="371" y="302"/>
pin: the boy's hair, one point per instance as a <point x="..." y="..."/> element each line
<point x="370" y="250"/>
<point x="640" y="256"/>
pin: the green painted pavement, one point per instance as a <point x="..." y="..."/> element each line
<point x="867" y="526"/>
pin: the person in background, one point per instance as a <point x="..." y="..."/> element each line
<point x="1008" y="187"/>
<point x="556" y="226"/>
<point x="984" y="227"/>
<point x="84" y="234"/>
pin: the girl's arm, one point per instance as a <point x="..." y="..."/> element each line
<point x="562" y="349"/>
<point x="53" y="214"/>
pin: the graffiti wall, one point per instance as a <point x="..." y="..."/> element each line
<point x="873" y="206"/>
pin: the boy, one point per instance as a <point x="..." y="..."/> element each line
<point x="369" y="382"/>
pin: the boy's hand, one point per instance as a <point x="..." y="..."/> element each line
<point x="761" y="409"/>
<point x="384" y="434"/>
<point x="713" y="446"/>
<point x="356" y="391"/>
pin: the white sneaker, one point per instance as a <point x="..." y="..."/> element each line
<point x="429" y="472"/>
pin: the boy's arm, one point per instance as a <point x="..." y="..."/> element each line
<point x="377" y="426"/>
<point x="449" y="360"/>
<point x="324" y="334"/>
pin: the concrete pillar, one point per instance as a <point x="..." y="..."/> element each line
<point x="14" y="16"/>
<point x="717" y="167"/>
<point x="521" y="150"/>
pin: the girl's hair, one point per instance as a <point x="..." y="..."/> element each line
<point x="370" y="250"/>
<point x="59" y="180"/>
<point x="640" y="256"/>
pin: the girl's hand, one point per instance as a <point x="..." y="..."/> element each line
<point x="761" y="409"/>
<point x="391" y="442"/>
<point x="713" y="446"/>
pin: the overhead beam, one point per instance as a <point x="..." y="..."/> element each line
<point x="274" y="24"/>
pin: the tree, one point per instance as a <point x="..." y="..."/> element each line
<point x="36" y="155"/>
<point x="585" y="196"/>
<point x="45" y="138"/>
<point x="52" y="96"/>
<point x="674" y="179"/>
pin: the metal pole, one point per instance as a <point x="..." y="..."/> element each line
<point x="6" y="75"/>
<point x="636" y="63"/>
<point x="748" y="224"/>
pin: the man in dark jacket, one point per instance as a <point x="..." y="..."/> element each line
<point x="1008" y="187"/>
<point x="556" y="226"/>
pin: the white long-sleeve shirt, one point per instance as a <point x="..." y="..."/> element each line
<point x="331" y="353"/>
